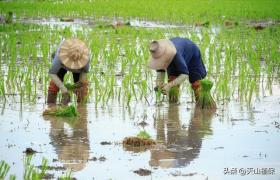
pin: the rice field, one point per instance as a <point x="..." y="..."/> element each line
<point x="242" y="63"/>
<point x="240" y="46"/>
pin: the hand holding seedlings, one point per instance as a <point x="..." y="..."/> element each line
<point x="163" y="89"/>
<point x="75" y="86"/>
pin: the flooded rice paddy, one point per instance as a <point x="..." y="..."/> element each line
<point x="191" y="143"/>
<point x="238" y="140"/>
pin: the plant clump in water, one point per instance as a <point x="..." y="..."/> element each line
<point x="137" y="142"/>
<point x="174" y="94"/>
<point x="205" y="100"/>
<point x="65" y="111"/>
<point x="142" y="139"/>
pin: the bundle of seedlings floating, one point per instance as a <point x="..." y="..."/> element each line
<point x="142" y="139"/>
<point x="64" y="111"/>
<point x="205" y="100"/>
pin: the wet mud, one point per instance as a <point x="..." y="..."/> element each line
<point x="29" y="151"/>
<point x="137" y="142"/>
<point x="142" y="172"/>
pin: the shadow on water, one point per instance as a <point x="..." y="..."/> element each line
<point x="179" y="145"/>
<point x="69" y="138"/>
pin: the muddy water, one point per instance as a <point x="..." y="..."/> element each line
<point x="191" y="143"/>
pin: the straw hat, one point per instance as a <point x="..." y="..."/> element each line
<point x="162" y="53"/>
<point x="74" y="53"/>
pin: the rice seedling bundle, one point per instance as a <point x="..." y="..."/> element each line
<point x="174" y="94"/>
<point x="205" y="100"/>
<point x="67" y="111"/>
<point x="142" y="139"/>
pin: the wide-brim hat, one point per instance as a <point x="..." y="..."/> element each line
<point x="162" y="53"/>
<point x="74" y="53"/>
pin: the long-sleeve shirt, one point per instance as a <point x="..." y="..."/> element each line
<point x="187" y="60"/>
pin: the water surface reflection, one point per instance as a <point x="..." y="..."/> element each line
<point x="69" y="138"/>
<point x="179" y="145"/>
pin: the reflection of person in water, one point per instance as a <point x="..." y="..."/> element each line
<point x="180" y="146"/>
<point x="71" y="143"/>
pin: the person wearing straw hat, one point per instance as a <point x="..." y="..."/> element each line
<point x="181" y="58"/>
<point x="72" y="55"/>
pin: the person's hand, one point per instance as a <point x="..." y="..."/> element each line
<point x="78" y="84"/>
<point x="65" y="98"/>
<point x="64" y="90"/>
<point x="158" y="87"/>
<point x="166" y="88"/>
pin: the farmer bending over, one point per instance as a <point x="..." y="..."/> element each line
<point x="72" y="55"/>
<point x="181" y="58"/>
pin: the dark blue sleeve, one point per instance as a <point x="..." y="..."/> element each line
<point x="180" y="64"/>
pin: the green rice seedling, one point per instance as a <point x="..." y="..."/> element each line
<point x="31" y="172"/>
<point x="12" y="177"/>
<point x="70" y="86"/>
<point x="205" y="100"/>
<point x="64" y="111"/>
<point x="158" y="92"/>
<point x="143" y="135"/>
<point x="2" y="88"/>
<point x="252" y="87"/>
<point x="9" y="17"/>
<point x="4" y="169"/>
<point x="67" y="176"/>
<point x="174" y="95"/>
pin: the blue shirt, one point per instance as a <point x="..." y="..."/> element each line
<point x="187" y="60"/>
